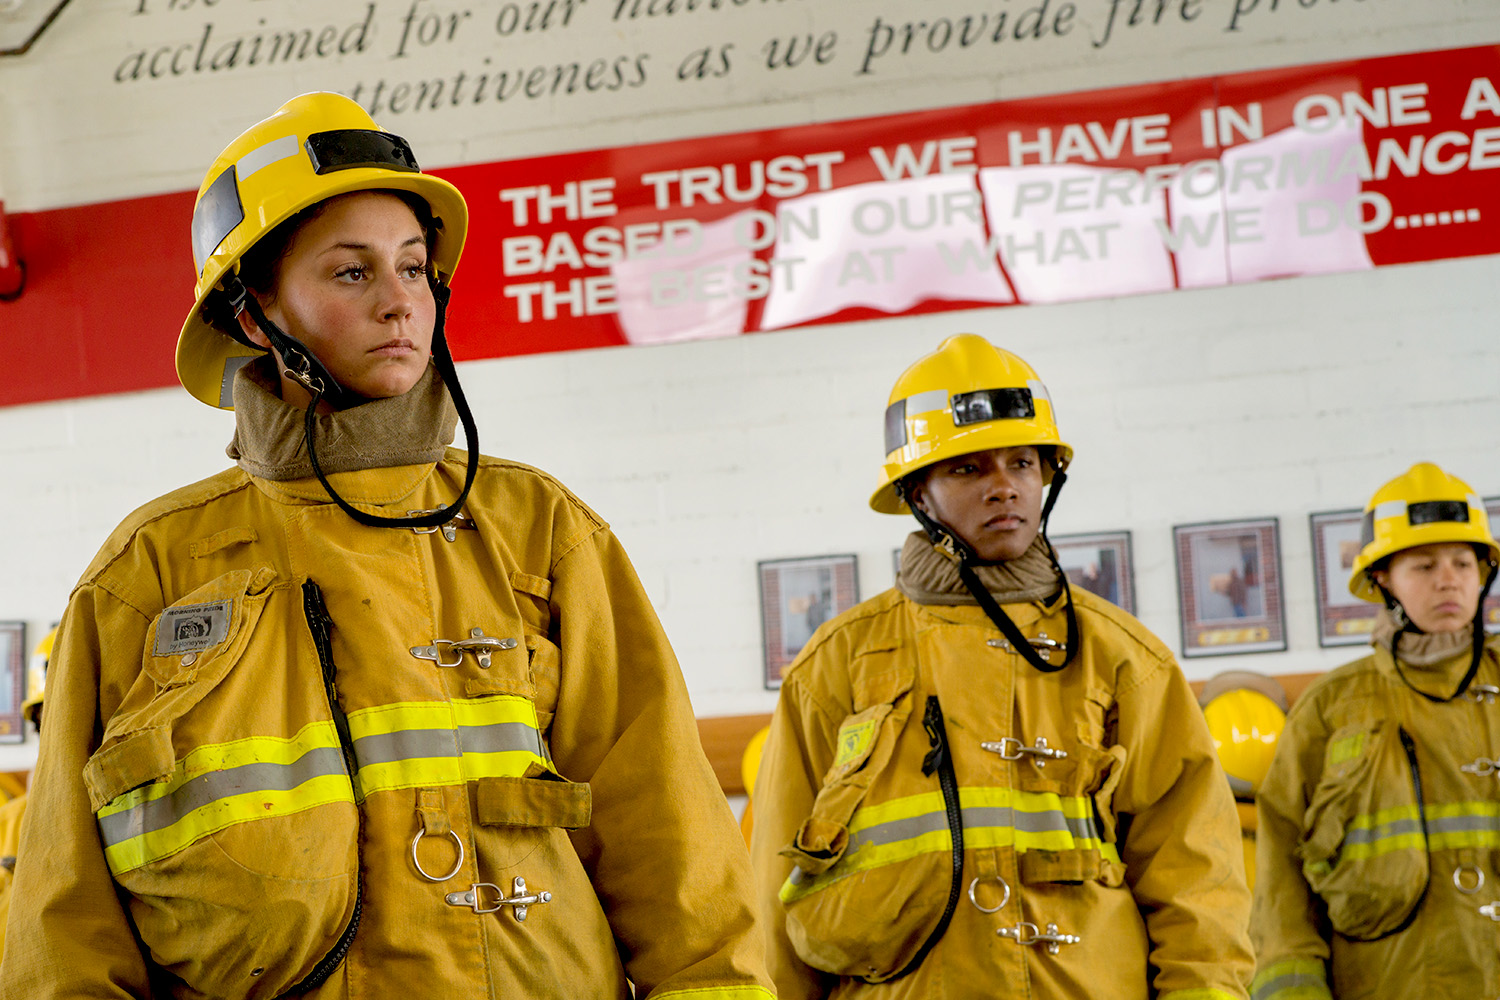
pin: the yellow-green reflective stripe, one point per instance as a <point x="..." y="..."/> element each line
<point x="1291" y="979"/>
<point x="414" y="744"/>
<point x="1201" y="993"/>
<point x="890" y="832"/>
<point x="216" y="786"/>
<point x="710" y="992"/>
<point x="1449" y="825"/>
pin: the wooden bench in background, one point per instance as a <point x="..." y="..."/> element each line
<point x="725" y="737"/>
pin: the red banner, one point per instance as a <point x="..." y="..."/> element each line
<point x="1189" y="184"/>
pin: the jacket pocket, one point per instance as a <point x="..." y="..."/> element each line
<point x="1364" y="846"/>
<point x="237" y="850"/>
<point x="870" y="879"/>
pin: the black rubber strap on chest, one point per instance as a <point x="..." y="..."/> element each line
<point x="940" y="759"/>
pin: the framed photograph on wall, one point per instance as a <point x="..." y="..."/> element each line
<point x="1101" y="564"/>
<point x="1229" y="587"/>
<point x="1492" y="602"/>
<point x="13" y="653"/>
<point x="796" y="596"/>
<point x="1343" y="619"/>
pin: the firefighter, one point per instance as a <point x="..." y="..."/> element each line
<point x="985" y="783"/>
<point x="365" y="714"/>
<point x="1377" y="853"/>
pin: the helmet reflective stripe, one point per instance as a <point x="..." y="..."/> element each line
<point x="265" y="155"/>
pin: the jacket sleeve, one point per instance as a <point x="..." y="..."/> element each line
<point x="798" y="752"/>
<point x="68" y="935"/>
<point x="663" y="850"/>
<point x="1288" y="925"/>
<point x="1181" y="844"/>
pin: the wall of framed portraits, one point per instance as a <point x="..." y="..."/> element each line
<point x="1220" y="430"/>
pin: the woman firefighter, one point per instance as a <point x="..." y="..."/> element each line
<point x="1377" y="851"/>
<point x="985" y="783"/>
<point x="364" y="715"/>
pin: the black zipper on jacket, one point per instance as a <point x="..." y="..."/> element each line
<point x="940" y="759"/>
<point x="1410" y="747"/>
<point x="321" y="627"/>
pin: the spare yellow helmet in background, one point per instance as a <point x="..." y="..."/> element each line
<point x="966" y="396"/>
<point x="313" y="148"/>
<point x="1424" y="506"/>
<point x="1246" y="713"/>
<point x="36" y="677"/>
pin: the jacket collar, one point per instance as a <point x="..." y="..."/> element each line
<point x="1433" y="662"/>
<point x="411" y="429"/>
<point x="928" y="576"/>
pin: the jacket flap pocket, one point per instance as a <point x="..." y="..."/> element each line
<point x="535" y="802"/>
<point x="856" y="738"/>
<point x="137" y="760"/>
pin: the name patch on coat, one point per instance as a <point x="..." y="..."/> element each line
<point x="191" y="628"/>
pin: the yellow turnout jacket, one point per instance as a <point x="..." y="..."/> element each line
<point x="1378" y="851"/>
<point x="282" y="745"/>
<point x="1106" y="867"/>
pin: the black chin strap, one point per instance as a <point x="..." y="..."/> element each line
<point x="1407" y="625"/>
<point x="948" y="541"/>
<point x="303" y="366"/>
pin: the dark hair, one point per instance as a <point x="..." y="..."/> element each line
<point x="260" y="264"/>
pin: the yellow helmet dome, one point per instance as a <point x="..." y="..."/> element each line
<point x="966" y="396"/>
<point x="1245" y="718"/>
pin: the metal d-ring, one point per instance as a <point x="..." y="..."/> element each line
<point x="1004" y="898"/>
<point x="422" y="871"/>
<point x="1458" y="878"/>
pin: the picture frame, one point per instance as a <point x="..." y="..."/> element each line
<point x="1229" y="587"/>
<point x="796" y="596"/>
<point x="1492" y="602"/>
<point x="13" y="656"/>
<point x="1343" y="619"/>
<point x="1101" y="563"/>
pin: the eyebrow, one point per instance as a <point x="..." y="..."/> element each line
<point x="366" y="246"/>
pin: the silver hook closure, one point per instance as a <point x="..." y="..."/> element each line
<point x="1010" y="748"/>
<point x="1459" y="880"/>
<point x="1026" y="933"/>
<point x="1482" y="766"/>
<point x="518" y="901"/>
<point x="1004" y="897"/>
<point x="423" y="871"/>
<point x="1482" y="694"/>
<point x="1491" y="910"/>
<point x="450" y="529"/>
<point x="478" y="643"/>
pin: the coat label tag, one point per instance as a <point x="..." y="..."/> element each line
<point x="192" y="628"/>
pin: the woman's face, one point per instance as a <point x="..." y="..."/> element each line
<point x="352" y="286"/>
<point x="992" y="499"/>
<point x="1437" y="585"/>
